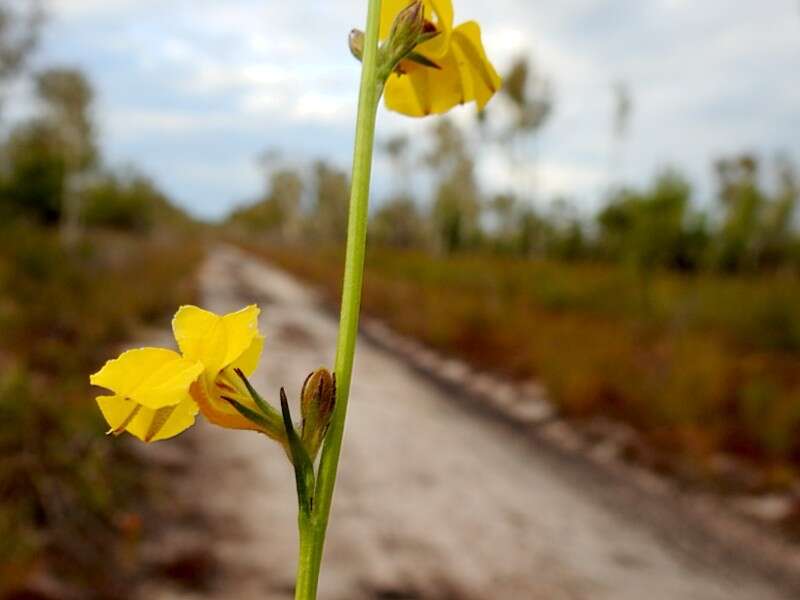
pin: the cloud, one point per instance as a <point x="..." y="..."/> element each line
<point x="91" y="8"/>
<point x="193" y="89"/>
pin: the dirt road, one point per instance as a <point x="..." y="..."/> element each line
<point x="433" y="501"/>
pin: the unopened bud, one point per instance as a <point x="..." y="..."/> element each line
<point x="408" y="26"/>
<point x="356" y="43"/>
<point x="317" y="401"/>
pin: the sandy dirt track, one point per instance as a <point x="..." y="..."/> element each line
<point x="433" y="501"/>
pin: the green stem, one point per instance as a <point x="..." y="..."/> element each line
<point x="312" y="530"/>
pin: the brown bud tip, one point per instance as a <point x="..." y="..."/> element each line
<point x="318" y="392"/>
<point x="317" y="402"/>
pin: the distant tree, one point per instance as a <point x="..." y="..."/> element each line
<point x="331" y="202"/>
<point x="456" y="211"/>
<point x="397" y="148"/>
<point x="129" y="202"/>
<point x="286" y="195"/>
<point x="399" y="223"/>
<point x="503" y="208"/>
<point x="758" y="227"/>
<point x="563" y="234"/>
<point x="655" y="227"/>
<point x="531" y="95"/>
<point x="531" y="99"/>
<point x="67" y="97"/>
<point x="533" y="232"/>
<point x="277" y="213"/>
<point x="620" y="126"/>
<point x="19" y="28"/>
<point x="35" y="174"/>
<point x="779" y="232"/>
<point x="742" y="203"/>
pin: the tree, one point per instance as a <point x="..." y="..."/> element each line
<point x="778" y="232"/>
<point x="457" y="205"/>
<point x="654" y="228"/>
<point x="331" y="202"/>
<point x="742" y="203"/>
<point x="503" y="208"/>
<point x="531" y="95"/>
<point x="620" y="124"/>
<point x="128" y="201"/>
<point x="531" y="99"/>
<point x="34" y="181"/>
<point x="67" y="97"/>
<point x="278" y="212"/>
<point x="757" y="227"/>
<point x="398" y="223"/>
<point x="533" y="232"/>
<point x="19" y="30"/>
<point x="396" y="148"/>
<point x="457" y="208"/>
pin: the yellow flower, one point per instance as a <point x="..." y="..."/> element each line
<point x="157" y="392"/>
<point x="221" y="344"/>
<point x="151" y="393"/>
<point x="464" y="73"/>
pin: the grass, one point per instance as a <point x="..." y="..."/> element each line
<point x="701" y="366"/>
<point x="70" y="497"/>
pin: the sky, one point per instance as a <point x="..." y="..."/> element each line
<point x="192" y="91"/>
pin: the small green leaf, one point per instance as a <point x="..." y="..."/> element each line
<point x="262" y="404"/>
<point x="303" y="467"/>
<point x="249" y="414"/>
<point x="422" y="60"/>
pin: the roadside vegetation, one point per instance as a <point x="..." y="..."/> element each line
<point x="88" y="256"/>
<point x="708" y="367"/>
<point x="70" y="499"/>
<point x="675" y="313"/>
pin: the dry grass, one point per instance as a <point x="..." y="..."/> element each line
<point x="67" y="493"/>
<point x="701" y="366"/>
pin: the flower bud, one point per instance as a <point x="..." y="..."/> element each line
<point x="408" y="26"/>
<point x="356" y="43"/>
<point x="317" y="401"/>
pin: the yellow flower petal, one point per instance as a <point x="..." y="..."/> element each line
<point x="178" y="420"/>
<point x="248" y="361"/>
<point x="465" y="75"/>
<point x="144" y="423"/>
<point x="422" y="91"/>
<point x="117" y="411"/>
<point x="440" y="12"/>
<point x="485" y="80"/>
<point x="242" y="329"/>
<point x="152" y="377"/>
<point x="215" y="341"/>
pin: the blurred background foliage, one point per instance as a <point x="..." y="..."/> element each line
<point x="675" y="313"/>
<point x="74" y="235"/>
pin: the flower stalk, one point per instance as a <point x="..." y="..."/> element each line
<point x="314" y="526"/>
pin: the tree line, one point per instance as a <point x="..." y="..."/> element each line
<point x="749" y="224"/>
<point x="51" y="167"/>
